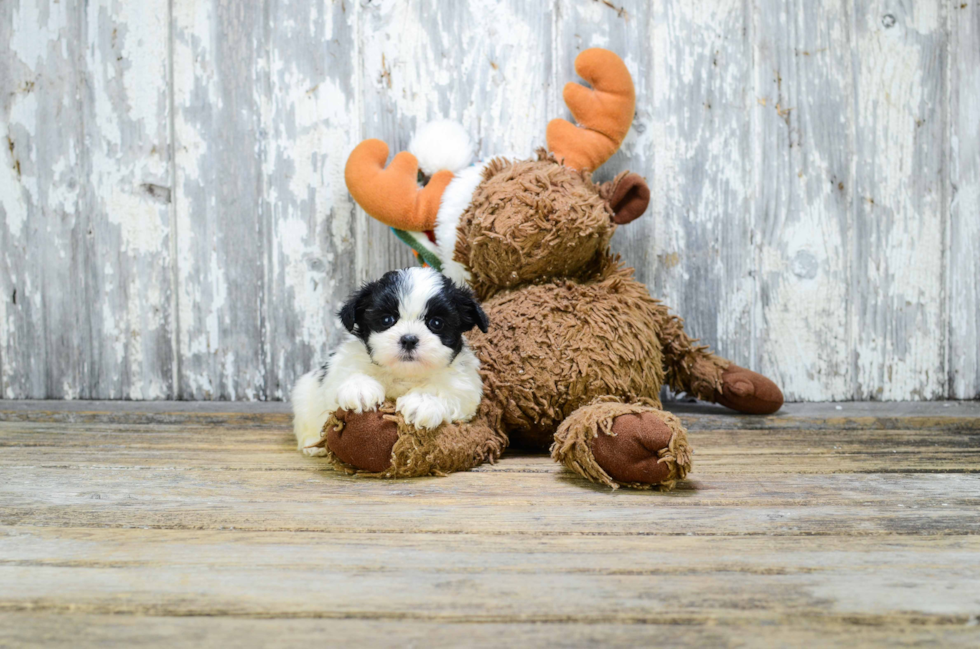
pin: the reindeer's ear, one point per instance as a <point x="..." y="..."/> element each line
<point x="627" y="196"/>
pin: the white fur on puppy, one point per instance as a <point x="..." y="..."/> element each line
<point x="405" y="344"/>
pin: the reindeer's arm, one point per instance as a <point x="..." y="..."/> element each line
<point x="696" y="370"/>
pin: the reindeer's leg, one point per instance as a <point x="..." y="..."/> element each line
<point x="381" y="444"/>
<point x="623" y="444"/>
<point x="694" y="369"/>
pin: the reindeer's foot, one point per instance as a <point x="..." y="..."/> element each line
<point x="382" y="443"/>
<point x="748" y="391"/>
<point x="621" y="444"/>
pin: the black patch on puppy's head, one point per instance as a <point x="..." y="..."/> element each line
<point x="366" y="307"/>
<point x="459" y="311"/>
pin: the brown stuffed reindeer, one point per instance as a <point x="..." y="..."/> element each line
<point x="577" y="350"/>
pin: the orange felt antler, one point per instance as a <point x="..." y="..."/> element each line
<point x="392" y="195"/>
<point x="604" y="112"/>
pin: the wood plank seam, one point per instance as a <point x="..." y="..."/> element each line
<point x="175" y="390"/>
<point x="659" y="619"/>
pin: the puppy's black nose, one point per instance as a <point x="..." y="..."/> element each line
<point x="409" y="342"/>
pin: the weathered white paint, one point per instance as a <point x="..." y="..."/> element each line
<point x="220" y="78"/>
<point x="175" y="223"/>
<point x="802" y="148"/>
<point x="308" y="113"/>
<point x="962" y="251"/>
<point x="899" y="205"/>
<point x="85" y="228"/>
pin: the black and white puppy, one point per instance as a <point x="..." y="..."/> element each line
<point x="405" y="344"/>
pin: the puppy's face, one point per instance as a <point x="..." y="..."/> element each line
<point x="412" y="321"/>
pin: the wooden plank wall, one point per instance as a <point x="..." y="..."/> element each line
<point x="174" y="223"/>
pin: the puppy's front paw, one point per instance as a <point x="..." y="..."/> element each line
<point x="422" y="410"/>
<point x="360" y="394"/>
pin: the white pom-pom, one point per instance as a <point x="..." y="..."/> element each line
<point x="442" y="144"/>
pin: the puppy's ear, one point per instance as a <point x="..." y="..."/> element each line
<point x="470" y="312"/>
<point x="354" y="307"/>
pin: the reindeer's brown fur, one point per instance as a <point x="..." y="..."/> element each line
<point x="555" y="346"/>
<point x="531" y="220"/>
<point x="569" y="325"/>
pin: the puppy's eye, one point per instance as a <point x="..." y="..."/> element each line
<point x="388" y="321"/>
<point x="436" y="324"/>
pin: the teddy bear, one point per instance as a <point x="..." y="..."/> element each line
<point x="577" y="350"/>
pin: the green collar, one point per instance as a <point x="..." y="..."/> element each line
<point x="424" y="253"/>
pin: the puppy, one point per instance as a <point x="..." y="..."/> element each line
<point x="405" y="344"/>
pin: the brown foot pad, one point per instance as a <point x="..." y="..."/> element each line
<point x="364" y="441"/>
<point x="630" y="454"/>
<point x="748" y="392"/>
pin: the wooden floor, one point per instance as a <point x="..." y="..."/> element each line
<point x="125" y="524"/>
